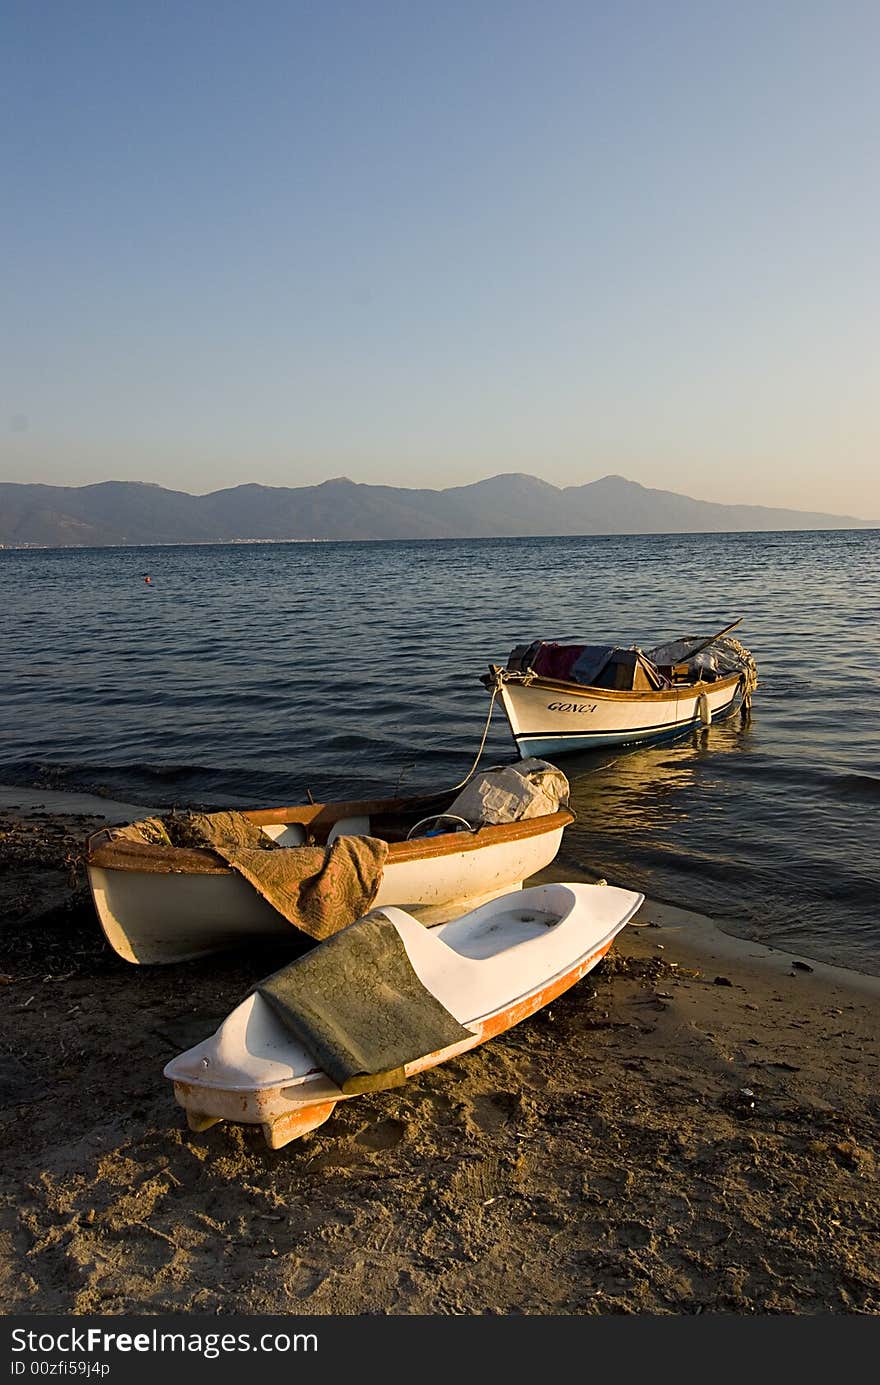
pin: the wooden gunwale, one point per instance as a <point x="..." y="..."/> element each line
<point x="583" y="690"/>
<point x="450" y="843"/>
<point x="103" y="851"/>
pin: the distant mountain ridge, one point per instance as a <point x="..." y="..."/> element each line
<point x="511" y="505"/>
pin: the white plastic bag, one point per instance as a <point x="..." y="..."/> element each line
<point x="510" y="793"/>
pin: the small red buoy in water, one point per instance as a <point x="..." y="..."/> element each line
<point x="148" y="580"/>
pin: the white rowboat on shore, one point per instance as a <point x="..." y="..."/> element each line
<point x="160" y="904"/>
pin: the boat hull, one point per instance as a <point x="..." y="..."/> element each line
<point x="547" y="718"/>
<point x="287" y="1110"/>
<point x="284" y="1115"/>
<point x="155" y="917"/>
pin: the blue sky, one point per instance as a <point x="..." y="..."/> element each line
<point x="424" y="243"/>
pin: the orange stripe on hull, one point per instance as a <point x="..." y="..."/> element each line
<point x="506" y="1019"/>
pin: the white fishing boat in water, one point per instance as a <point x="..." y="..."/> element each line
<point x="573" y="697"/>
<point x="160" y="902"/>
<point x="386" y="999"/>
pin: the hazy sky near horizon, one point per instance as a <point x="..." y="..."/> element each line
<point x="423" y="243"/>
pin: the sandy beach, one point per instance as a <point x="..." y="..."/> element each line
<point x="693" y="1128"/>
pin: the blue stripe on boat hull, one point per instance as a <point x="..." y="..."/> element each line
<point x="549" y="743"/>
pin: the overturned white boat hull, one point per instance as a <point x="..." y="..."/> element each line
<point x="491" y="968"/>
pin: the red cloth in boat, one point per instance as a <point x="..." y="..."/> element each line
<point x="557" y="660"/>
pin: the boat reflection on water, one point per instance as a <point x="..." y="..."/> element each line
<point x="706" y="824"/>
<point x="658" y="817"/>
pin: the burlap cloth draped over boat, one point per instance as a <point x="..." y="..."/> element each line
<point x="318" y="889"/>
<point x="357" y="1005"/>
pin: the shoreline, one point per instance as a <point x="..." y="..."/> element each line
<point x="854" y="525"/>
<point x="704" y="938"/>
<point x="696" y="930"/>
<point x="701" y="935"/>
<point x="694" y="1127"/>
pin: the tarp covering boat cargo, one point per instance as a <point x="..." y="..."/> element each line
<point x="589" y="665"/>
<point x="705" y="661"/>
<point x="691" y="658"/>
<point x="510" y="793"/>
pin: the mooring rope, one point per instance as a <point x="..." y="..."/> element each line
<point x="473" y="769"/>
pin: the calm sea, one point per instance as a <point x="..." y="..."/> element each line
<point x="248" y="674"/>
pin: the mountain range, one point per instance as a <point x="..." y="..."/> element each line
<point x="135" y="512"/>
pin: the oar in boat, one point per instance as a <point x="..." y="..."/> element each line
<point x="689" y="647"/>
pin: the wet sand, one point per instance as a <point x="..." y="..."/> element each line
<point x="693" y="1128"/>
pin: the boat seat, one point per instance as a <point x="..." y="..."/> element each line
<point x="286" y="833"/>
<point x="349" y="827"/>
<point x="473" y="980"/>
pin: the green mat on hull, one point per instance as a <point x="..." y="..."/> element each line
<point x="357" y="1005"/>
